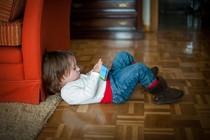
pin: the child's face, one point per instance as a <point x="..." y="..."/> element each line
<point x="73" y="75"/>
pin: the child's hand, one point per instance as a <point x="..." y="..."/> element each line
<point x="97" y="67"/>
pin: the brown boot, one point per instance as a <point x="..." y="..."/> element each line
<point x="164" y="94"/>
<point x="154" y="70"/>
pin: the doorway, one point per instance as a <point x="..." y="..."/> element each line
<point x="179" y="15"/>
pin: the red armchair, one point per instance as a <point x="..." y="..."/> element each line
<point x="46" y="25"/>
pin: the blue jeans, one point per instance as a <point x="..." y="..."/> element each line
<point x="125" y="75"/>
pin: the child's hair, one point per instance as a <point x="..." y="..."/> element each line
<point x="55" y="66"/>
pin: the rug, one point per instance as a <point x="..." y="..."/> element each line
<point x="19" y="121"/>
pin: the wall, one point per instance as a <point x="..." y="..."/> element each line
<point x="146" y="14"/>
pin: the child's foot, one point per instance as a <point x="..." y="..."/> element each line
<point x="168" y="96"/>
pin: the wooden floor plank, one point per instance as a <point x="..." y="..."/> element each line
<point x="184" y="61"/>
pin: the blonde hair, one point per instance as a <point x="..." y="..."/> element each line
<point x="55" y="66"/>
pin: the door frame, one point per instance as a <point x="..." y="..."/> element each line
<point x="154" y="15"/>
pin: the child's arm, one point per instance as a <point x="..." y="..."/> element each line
<point x="84" y="89"/>
<point x="97" y="67"/>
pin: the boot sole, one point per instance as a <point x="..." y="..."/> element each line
<point x="170" y="101"/>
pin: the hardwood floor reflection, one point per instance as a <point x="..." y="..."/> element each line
<point x="183" y="59"/>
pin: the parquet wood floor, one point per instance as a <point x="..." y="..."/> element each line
<point x="183" y="59"/>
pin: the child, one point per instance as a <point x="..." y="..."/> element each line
<point x="61" y="74"/>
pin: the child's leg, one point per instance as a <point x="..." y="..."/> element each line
<point x="125" y="76"/>
<point x="121" y="60"/>
<point x="124" y="80"/>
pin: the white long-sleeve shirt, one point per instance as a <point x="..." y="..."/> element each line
<point x="87" y="89"/>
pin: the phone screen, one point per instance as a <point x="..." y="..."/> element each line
<point x="104" y="72"/>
